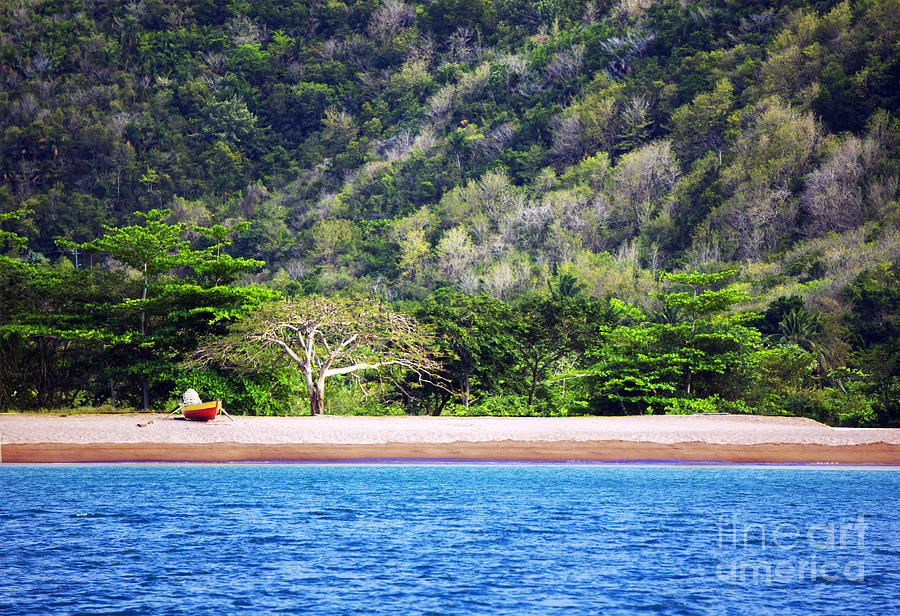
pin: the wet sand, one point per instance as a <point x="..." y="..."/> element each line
<point x="705" y="438"/>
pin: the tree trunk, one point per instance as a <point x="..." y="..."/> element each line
<point x="317" y="397"/>
<point x="146" y="393"/>
<point x="143" y="305"/>
<point x="317" y="402"/>
<point x="143" y="334"/>
<point x="315" y="408"/>
<point x="464" y="385"/>
<point x="112" y="392"/>
<point x="440" y="407"/>
<point x="43" y="378"/>
<point x="534" y="376"/>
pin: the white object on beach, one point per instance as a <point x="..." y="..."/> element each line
<point x="190" y="397"/>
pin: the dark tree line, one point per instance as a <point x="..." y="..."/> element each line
<point x="160" y="306"/>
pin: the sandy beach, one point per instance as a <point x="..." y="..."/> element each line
<point x="710" y="438"/>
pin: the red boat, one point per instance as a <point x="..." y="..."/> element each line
<point x="204" y="411"/>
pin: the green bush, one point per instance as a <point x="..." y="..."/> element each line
<point x="849" y="407"/>
<point x="275" y="393"/>
<point x="693" y="406"/>
<point x="344" y="398"/>
<point x="498" y="406"/>
<point x="712" y="404"/>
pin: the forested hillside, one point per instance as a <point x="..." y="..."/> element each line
<point x="567" y="168"/>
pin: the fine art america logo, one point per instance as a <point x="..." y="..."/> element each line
<point x="784" y="552"/>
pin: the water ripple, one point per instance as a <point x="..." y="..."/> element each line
<point x="451" y="539"/>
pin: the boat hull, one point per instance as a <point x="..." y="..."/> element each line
<point x="202" y="412"/>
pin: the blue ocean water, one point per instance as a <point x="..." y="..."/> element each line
<point x="448" y="539"/>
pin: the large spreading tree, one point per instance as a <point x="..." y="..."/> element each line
<point x="325" y="337"/>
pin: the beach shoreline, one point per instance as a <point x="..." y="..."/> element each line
<point x="498" y="451"/>
<point x="690" y="438"/>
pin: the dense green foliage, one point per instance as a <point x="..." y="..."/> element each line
<point x="584" y="200"/>
<point x="87" y="335"/>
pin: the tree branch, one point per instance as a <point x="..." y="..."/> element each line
<point x="290" y="352"/>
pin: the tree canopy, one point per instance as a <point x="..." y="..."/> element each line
<point x="326" y="337"/>
<point x="168" y="166"/>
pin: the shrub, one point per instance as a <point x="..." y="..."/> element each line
<point x="275" y="393"/>
<point x="712" y="404"/>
